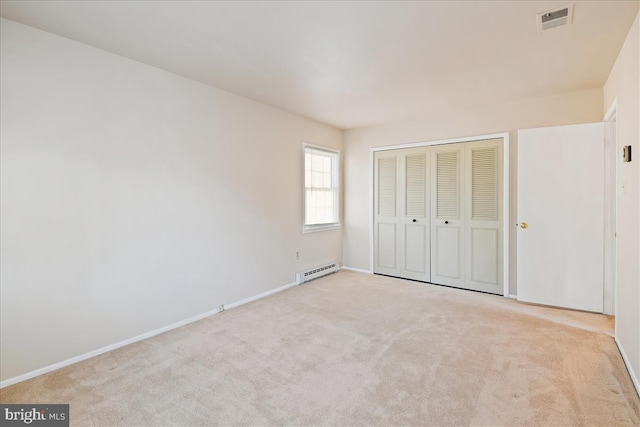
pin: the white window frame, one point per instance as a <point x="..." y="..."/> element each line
<point x="335" y="179"/>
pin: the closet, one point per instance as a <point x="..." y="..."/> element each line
<point x="438" y="214"/>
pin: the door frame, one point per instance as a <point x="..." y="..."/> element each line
<point x="610" y="301"/>
<point x="505" y="192"/>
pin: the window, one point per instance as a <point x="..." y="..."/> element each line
<point x="321" y="193"/>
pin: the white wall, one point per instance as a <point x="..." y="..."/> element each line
<point x="133" y="198"/>
<point x="624" y="84"/>
<point x="572" y="108"/>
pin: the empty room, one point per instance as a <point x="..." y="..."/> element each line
<point x="319" y="213"/>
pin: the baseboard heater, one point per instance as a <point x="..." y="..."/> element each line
<point x="314" y="273"/>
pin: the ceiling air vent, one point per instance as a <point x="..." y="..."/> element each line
<point x="555" y="18"/>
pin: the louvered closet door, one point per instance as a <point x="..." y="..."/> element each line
<point x="386" y="214"/>
<point x="414" y="208"/>
<point x="447" y="215"/>
<point x="438" y="214"/>
<point x="483" y="231"/>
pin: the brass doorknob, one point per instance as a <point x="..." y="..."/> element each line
<point x="523" y="225"/>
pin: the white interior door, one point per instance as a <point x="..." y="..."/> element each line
<point x="560" y="198"/>
<point x="447" y="216"/>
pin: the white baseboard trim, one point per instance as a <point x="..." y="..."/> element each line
<point x="259" y="296"/>
<point x="632" y="374"/>
<point x="103" y="350"/>
<point x="359" y="270"/>
<point x="512" y="296"/>
<point x="111" y="347"/>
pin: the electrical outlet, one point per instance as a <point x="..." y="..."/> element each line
<point x="298" y="255"/>
<point x="220" y="308"/>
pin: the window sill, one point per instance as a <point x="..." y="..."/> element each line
<point x="319" y="227"/>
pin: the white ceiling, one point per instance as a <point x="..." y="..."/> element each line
<point x="353" y="64"/>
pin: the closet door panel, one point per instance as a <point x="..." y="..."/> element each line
<point x="483" y="254"/>
<point x="415" y="246"/>
<point x="447" y="255"/>
<point x="415" y="219"/>
<point x="447" y="215"/>
<point x="387" y="246"/>
<point x="386" y="218"/>
<point x="483" y="222"/>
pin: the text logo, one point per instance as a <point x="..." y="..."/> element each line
<point x="39" y="415"/>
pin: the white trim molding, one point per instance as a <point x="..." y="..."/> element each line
<point x="102" y="350"/>
<point x="359" y="270"/>
<point x="105" y="349"/>
<point x="632" y="374"/>
<point x="613" y="108"/>
<point x="611" y="210"/>
<point x="260" y="296"/>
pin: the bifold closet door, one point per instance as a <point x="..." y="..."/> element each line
<point x="438" y="214"/>
<point x="483" y="216"/>
<point x="386" y="217"/>
<point x="414" y="208"/>
<point x="447" y="215"/>
<point x="401" y="203"/>
<point x="466" y="215"/>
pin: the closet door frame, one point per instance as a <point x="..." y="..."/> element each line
<point x="505" y="193"/>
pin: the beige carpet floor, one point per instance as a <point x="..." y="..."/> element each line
<point x="356" y="349"/>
